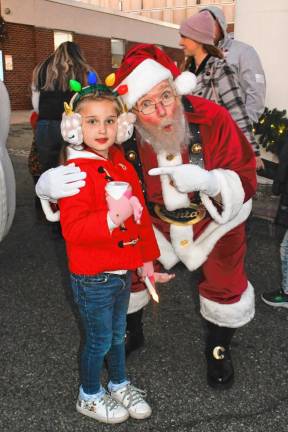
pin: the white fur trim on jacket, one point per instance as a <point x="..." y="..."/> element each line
<point x="232" y="194"/>
<point x="138" y="300"/>
<point x="168" y="257"/>
<point x="194" y="254"/>
<point x="173" y="199"/>
<point x="233" y="315"/>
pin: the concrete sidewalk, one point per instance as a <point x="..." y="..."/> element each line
<point x="20" y="117"/>
<point x="40" y="339"/>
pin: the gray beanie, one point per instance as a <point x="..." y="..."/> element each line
<point x="199" y="27"/>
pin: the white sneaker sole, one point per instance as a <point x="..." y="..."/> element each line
<point x="112" y="420"/>
<point x="285" y="305"/>
<point x="139" y="416"/>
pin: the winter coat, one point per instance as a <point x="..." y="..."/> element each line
<point x="248" y="66"/>
<point x="91" y="246"/>
<point x="218" y="82"/>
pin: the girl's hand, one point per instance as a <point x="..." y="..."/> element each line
<point x="146" y="270"/>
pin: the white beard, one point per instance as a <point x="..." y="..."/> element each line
<point x="170" y="142"/>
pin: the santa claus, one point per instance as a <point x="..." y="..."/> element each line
<point x="198" y="174"/>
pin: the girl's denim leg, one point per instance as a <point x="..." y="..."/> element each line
<point x="94" y="296"/>
<point x="116" y="357"/>
<point x="284" y="262"/>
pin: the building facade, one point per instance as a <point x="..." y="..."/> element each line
<point x="28" y="35"/>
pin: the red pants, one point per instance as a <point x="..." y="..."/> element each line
<point x="224" y="277"/>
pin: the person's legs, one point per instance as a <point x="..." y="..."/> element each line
<point x="95" y="296"/>
<point x="116" y="355"/>
<point x="227" y="302"/>
<point x="279" y="297"/>
<point x="48" y="143"/>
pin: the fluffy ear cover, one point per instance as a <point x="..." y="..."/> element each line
<point x="185" y="83"/>
<point x="125" y="127"/>
<point x="71" y="129"/>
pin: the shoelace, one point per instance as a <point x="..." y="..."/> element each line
<point x="134" y="395"/>
<point x="107" y="401"/>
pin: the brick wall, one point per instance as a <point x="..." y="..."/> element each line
<point x="97" y="52"/>
<point x="19" y="44"/>
<point x="29" y="45"/>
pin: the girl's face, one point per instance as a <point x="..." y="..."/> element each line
<point x="190" y="47"/>
<point x="99" y="125"/>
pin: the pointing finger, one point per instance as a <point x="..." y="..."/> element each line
<point x="161" y="170"/>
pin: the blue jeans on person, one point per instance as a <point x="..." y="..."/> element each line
<point x="102" y="301"/>
<point x="284" y="262"/>
<point x="48" y="143"/>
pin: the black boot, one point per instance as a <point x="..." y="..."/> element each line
<point x="134" y="332"/>
<point x="220" y="372"/>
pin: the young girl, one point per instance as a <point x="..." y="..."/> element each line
<point x="105" y="238"/>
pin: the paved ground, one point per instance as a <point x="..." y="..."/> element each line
<point x="40" y="339"/>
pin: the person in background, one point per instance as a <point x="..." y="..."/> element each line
<point x="216" y="80"/>
<point x="248" y="66"/>
<point x="49" y="92"/>
<point x="108" y="233"/>
<point x="279" y="297"/>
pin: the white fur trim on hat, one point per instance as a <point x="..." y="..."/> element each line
<point x="142" y="79"/>
<point x="185" y="83"/>
<point x="233" y="315"/>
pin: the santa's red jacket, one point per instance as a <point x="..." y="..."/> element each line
<point x="218" y="241"/>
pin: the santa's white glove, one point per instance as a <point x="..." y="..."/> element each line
<point x="190" y="178"/>
<point x="60" y="182"/>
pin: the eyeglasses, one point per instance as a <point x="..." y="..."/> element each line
<point x="148" y="106"/>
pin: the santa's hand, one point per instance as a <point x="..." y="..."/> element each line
<point x="60" y="182"/>
<point x="190" y="178"/>
<point x="163" y="277"/>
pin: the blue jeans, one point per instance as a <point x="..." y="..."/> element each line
<point x="102" y="300"/>
<point x="284" y="262"/>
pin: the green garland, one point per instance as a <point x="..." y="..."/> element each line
<point x="272" y="130"/>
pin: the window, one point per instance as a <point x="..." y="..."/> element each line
<point x="60" y="37"/>
<point x="117" y="52"/>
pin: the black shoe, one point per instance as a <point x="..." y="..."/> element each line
<point x="134" y="332"/>
<point x="220" y="371"/>
<point x="275" y="298"/>
<point x="134" y="341"/>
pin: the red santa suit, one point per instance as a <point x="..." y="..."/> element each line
<point x="218" y="241"/>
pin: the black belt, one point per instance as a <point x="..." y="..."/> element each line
<point x="183" y="216"/>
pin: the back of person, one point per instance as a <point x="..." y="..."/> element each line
<point x="246" y="61"/>
<point x="49" y="92"/>
<point x="216" y="79"/>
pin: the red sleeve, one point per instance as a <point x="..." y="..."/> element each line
<point x="81" y="221"/>
<point x="228" y="148"/>
<point x="148" y="245"/>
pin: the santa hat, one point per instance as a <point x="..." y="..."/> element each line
<point x="143" y="67"/>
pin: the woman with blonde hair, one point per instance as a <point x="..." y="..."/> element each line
<point x="49" y="92"/>
<point x="216" y="79"/>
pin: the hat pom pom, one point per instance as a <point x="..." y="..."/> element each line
<point x="185" y="83"/>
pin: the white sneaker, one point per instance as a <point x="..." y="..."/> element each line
<point x="132" y="398"/>
<point x="105" y="409"/>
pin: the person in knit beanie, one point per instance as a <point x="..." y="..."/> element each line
<point x="216" y="80"/>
